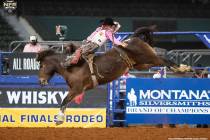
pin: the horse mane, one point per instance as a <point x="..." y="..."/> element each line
<point x="42" y="54"/>
<point x="145" y="33"/>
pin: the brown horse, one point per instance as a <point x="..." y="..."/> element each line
<point x="107" y="67"/>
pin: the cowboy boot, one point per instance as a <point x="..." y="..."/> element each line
<point x="76" y="57"/>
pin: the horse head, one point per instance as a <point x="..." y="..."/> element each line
<point x="48" y="66"/>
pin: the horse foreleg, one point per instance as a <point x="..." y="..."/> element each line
<point x="67" y="99"/>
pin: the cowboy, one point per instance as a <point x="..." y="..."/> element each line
<point x="103" y="33"/>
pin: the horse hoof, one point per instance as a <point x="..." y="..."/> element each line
<point x="60" y="118"/>
<point x="57" y="122"/>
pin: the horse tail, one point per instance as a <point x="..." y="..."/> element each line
<point x="145" y="33"/>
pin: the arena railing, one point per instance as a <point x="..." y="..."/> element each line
<point x="189" y="57"/>
<point x="58" y="45"/>
<point x="203" y="36"/>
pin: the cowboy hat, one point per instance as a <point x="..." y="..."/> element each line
<point x="107" y="21"/>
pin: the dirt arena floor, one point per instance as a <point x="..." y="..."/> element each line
<point x="130" y="133"/>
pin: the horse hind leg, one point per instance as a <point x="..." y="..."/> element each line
<point x="61" y="115"/>
<point x="157" y="61"/>
<point x="176" y="68"/>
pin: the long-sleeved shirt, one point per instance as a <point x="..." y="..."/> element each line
<point x="109" y="35"/>
<point x="32" y="48"/>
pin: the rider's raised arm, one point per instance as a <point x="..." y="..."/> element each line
<point x="111" y="37"/>
<point x="117" y="26"/>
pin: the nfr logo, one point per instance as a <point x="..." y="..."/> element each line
<point x="132" y="98"/>
<point x="10" y="6"/>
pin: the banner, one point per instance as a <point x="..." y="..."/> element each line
<point x="174" y="101"/>
<point x="45" y="117"/>
<point x="23" y="64"/>
<point x="31" y="97"/>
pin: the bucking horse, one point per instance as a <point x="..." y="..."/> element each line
<point x="106" y="67"/>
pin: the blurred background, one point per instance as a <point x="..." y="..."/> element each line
<point x="81" y="17"/>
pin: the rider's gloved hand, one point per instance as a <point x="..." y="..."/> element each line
<point x="124" y="44"/>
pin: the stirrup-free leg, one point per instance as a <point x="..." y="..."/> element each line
<point x="74" y="58"/>
<point x="67" y="61"/>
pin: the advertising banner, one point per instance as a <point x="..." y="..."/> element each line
<point x="45" y="117"/>
<point x="31" y="97"/>
<point x="23" y="64"/>
<point x="170" y="101"/>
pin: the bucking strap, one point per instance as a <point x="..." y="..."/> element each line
<point x="129" y="62"/>
<point x="89" y="59"/>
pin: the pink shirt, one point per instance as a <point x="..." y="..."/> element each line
<point x="32" y="48"/>
<point x="109" y="35"/>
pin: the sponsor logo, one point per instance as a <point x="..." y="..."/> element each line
<point x="45" y="117"/>
<point x="168" y="110"/>
<point x="35" y="97"/>
<point x="132" y="98"/>
<point x="10" y="6"/>
<point x="174" y="94"/>
<point x="32" y="97"/>
<point x="173" y="102"/>
<point x="25" y="64"/>
<point x="168" y="98"/>
<point x="177" y="100"/>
